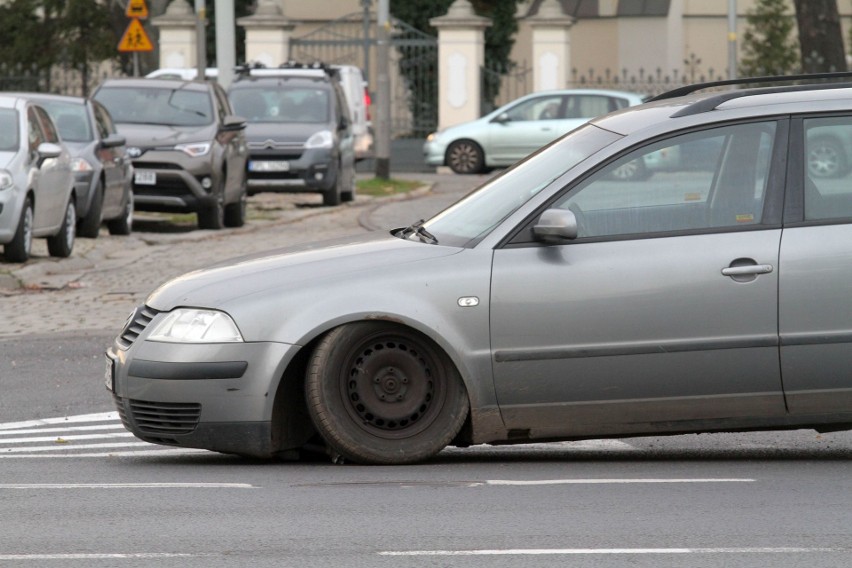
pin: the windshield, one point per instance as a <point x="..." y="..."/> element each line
<point x="71" y="120"/>
<point x="157" y="105"/>
<point x="9" y="140"/>
<point x="273" y="103"/>
<point x="479" y="212"/>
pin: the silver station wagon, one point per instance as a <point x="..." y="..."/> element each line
<point x="556" y="302"/>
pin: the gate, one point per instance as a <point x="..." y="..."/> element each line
<point x="351" y="40"/>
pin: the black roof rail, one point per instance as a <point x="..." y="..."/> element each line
<point x="687" y="89"/>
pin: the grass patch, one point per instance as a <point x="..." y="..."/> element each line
<point x="377" y="187"/>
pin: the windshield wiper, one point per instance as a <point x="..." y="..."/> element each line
<point x="419" y="231"/>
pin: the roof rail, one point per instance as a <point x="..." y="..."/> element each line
<point x="245" y="69"/>
<point x="687" y="89"/>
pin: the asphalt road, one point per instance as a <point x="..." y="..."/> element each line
<point x="78" y="490"/>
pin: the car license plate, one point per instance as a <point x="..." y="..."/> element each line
<point x="145" y="177"/>
<point x="109" y="375"/>
<point x="269" y="166"/>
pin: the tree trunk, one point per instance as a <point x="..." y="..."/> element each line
<point x="820" y="38"/>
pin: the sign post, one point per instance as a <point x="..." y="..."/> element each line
<point x="135" y="38"/>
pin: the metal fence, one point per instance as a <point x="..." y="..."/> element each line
<point x="61" y="79"/>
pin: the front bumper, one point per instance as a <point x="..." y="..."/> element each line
<point x="434" y="153"/>
<point x="218" y="397"/>
<point x="313" y="169"/>
<point x="178" y="181"/>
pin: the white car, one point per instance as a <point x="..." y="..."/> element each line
<point x="36" y="183"/>
<point x="519" y="128"/>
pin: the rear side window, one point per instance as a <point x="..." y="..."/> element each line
<point x="828" y="168"/>
<point x="9" y="132"/>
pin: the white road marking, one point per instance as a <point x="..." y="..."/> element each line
<point x="602" y="551"/>
<point x="611" y="481"/>
<point x="99" y="417"/>
<point x="40" y="486"/>
<point x="95" y="435"/>
<point x="95" y="556"/>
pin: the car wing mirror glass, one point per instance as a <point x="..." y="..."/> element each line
<point x="556" y="226"/>
<point x="502" y="117"/>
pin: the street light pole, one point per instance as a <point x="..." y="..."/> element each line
<point x="383" y="92"/>
<point x="732" y="39"/>
<point x="200" y="38"/>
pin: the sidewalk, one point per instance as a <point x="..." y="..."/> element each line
<point x="105" y="278"/>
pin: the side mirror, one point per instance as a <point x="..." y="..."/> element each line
<point x="113" y="140"/>
<point x="46" y="151"/>
<point x="233" y="123"/>
<point x="556" y="226"/>
<point x="502" y="118"/>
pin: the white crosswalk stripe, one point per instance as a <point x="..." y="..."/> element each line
<point x="82" y="436"/>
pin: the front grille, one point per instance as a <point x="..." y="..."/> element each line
<point x="122" y="413"/>
<point x="156" y="166"/>
<point x="165" y="418"/>
<point x="137" y="324"/>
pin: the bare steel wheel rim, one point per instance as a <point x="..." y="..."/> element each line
<point x="824" y="161"/>
<point x="393" y="386"/>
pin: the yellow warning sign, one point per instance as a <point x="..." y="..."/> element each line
<point x="136" y="9"/>
<point x="135" y="38"/>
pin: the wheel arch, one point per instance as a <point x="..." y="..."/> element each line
<point x="291" y="421"/>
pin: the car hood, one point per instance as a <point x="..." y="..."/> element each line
<point x="158" y="135"/>
<point x="6" y="158"/>
<point x="309" y="265"/>
<point x="293" y="133"/>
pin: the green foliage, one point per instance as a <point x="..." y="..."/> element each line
<point x="767" y="46"/>
<point x="423" y="79"/>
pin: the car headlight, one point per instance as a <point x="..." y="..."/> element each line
<point x="194" y="150"/>
<point x="433" y="136"/>
<point x="190" y="325"/>
<point x="80" y="165"/>
<point x="6" y="180"/>
<point x="322" y="139"/>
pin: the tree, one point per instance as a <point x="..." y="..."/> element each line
<point x="820" y="38"/>
<point x="767" y="46"/>
<point x="86" y="36"/>
<point x="423" y="83"/>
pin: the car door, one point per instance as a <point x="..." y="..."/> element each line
<point x="50" y="177"/>
<point x="525" y="127"/>
<point x="662" y="314"/>
<point x="113" y="159"/>
<point x="815" y="312"/>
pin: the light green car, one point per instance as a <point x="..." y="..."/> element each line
<point x="519" y="128"/>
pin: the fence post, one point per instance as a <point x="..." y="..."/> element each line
<point x="551" y="43"/>
<point x="268" y="34"/>
<point x="177" y="35"/>
<point x="461" y="54"/>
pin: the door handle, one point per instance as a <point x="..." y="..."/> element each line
<point x="747" y="270"/>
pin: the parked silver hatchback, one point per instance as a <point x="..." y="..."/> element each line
<point x="557" y="302"/>
<point x="36" y="184"/>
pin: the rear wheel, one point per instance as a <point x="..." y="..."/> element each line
<point x="124" y="224"/>
<point x="465" y="157"/>
<point x="90" y="225"/>
<point x="212" y="216"/>
<point x="235" y="213"/>
<point x="384" y="394"/>
<point x="18" y="249"/>
<point x="62" y="243"/>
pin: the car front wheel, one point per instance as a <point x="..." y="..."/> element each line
<point x="62" y="243"/>
<point x="18" y="249"/>
<point x="465" y="157"/>
<point x="383" y="394"/>
<point x="212" y="216"/>
<point x="90" y="225"/>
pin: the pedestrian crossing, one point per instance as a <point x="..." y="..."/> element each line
<point x="103" y="435"/>
<point x="82" y="436"/>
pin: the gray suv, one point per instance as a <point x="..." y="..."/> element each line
<point x="299" y="132"/>
<point x="188" y="148"/>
